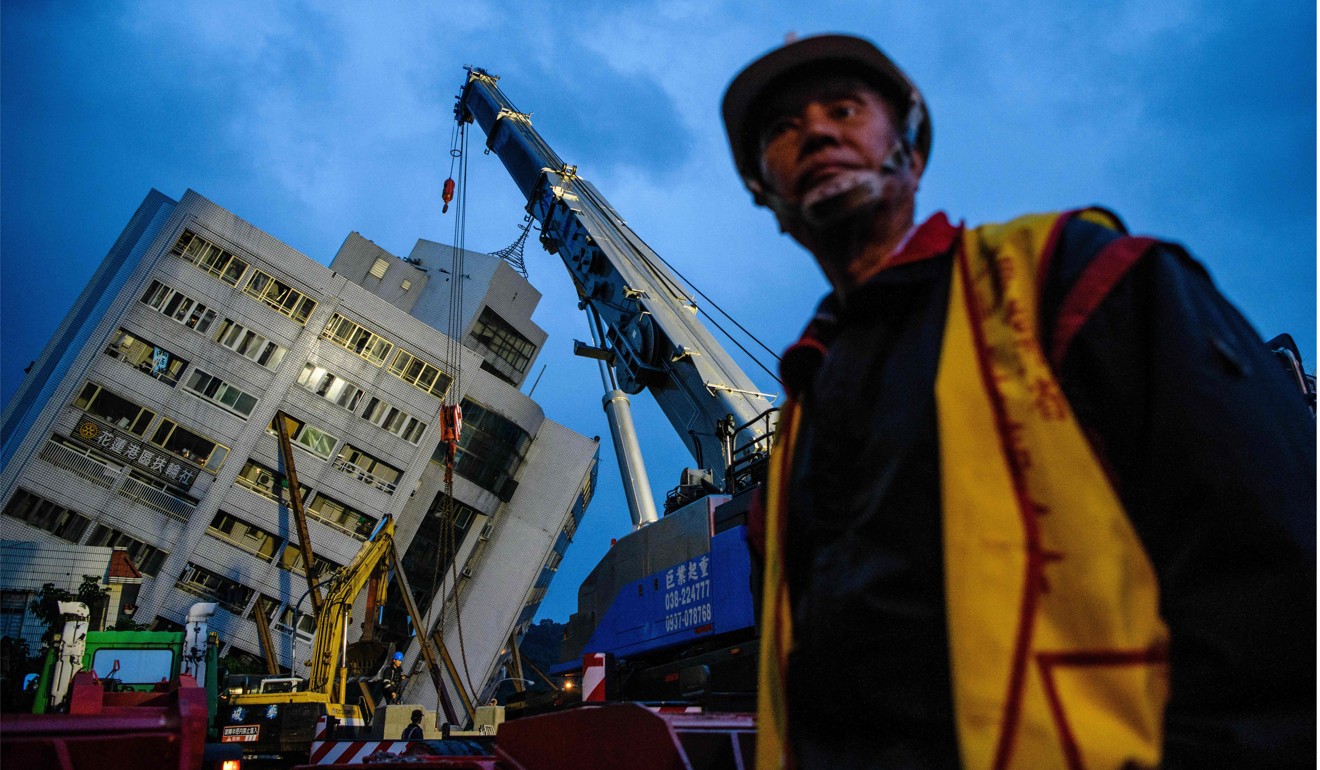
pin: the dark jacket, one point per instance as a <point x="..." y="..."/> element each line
<point x="1212" y="453"/>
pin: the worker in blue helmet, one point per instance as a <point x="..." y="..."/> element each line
<point x="1041" y="497"/>
<point x="394" y="679"/>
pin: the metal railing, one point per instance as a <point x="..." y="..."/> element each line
<point x="358" y="533"/>
<point x="204" y="592"/>
<point x="156" y="498"/>
<point x="95" y="471"/>
<point x="366" y="477"/>
<point x="747" y="463"/>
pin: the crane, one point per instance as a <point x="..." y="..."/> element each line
<point x="649" y="330"/>
<point x="674" y="596"/>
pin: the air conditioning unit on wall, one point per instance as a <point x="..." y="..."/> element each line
<point x="486" y="529"/>
<point x="467" y="572"/>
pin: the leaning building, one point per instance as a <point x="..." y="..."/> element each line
<point x="146" y="425"/>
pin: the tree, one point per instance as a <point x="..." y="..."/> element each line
<point x="15" y="664"/>
<point x="239" y="662"/>
<point x="46" y="605"/>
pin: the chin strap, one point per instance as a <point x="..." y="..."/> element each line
<point x="843" y="196"/>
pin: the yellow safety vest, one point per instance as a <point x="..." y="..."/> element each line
<point x="1059" y="655"/>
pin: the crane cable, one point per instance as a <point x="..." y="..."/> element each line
<point x="629" y="235"/>
<point x="449" y="413"/>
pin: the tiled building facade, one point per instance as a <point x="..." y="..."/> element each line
<point x="147" y="425"/>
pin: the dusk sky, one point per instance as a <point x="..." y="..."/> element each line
<point x="1193" y="120"/>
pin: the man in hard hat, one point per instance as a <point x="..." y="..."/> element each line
<point x="394" y="679"/>
<point x="1040" y="496"/>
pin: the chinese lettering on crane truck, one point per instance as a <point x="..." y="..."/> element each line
<point x="687" y="595"/>
<point x="704" y="595"/>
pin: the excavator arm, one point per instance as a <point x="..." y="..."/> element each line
<point x="327" y="673"/>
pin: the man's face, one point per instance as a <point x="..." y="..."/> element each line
<point x="820" y="132"/>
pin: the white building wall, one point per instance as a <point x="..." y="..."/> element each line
<point x="504" y="568"/>
<point x="102" y="491"/>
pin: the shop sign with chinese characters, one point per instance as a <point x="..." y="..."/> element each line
<point x="141" y="456"/>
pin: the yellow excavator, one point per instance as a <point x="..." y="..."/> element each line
<point x="277" y="719"/>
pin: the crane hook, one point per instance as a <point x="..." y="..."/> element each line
<point x="447" y="195"/>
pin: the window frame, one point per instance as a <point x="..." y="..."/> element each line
<point x="194" y="315"/>
<point x="243" y="339"/>
<point x="137" y="425"/>
<point x="331" y="386"/>
<point x="503" y="340"/>
<point x="131" y="353"/>
<point x="211" y="463"/>
<point x="220" y="389"/>
<point x="210" y="258"/>
<point x="420" y="373"/>
<point x="357" y="339"/>
<point x="279" y="296"/>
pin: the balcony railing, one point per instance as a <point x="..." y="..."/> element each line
<point x="359" y="532"/>
<point x="257" y="488"/>
<point x="242" y="546"/>
<point x="370" y="479"/>
<point x="95" y="471"/>
<point x="203" y="592"/>
<point x="156" y="498"/>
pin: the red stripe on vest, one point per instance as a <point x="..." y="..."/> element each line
<point x="1031" y="528"/>
<point x="1096" y="282"/>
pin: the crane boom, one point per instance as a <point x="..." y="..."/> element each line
<point x="654" y="339"/>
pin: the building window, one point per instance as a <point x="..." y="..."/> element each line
<point x="179" y="306"/>
<point x="431" y="551"/>
<point x="266" y="602"/>
<point x="191" y="446"/>
<point x="378" y="268"/>
<point x="279" y="296"/>
<point x="292" y="560"/>
<point x="306" y="622"/>
<point x="367" y="468"/>
<point x="44" y="514"/>
<point x="114" y="409"/>
<point x="394" y="420"/>
<point x="354" y="337"/>
<point x="148" y="559"/>
<point x="220" y="393"/>
<point x="405" y="284"/>
<point x="490" y="451"/>
<point x="265" y="481"/>
<point x="249" y="537"/>
<point x="558" y="550"/>
<point x="499" y="337"/>
<point x="583" y="500"/>
<point x="331" y="387"/>
<point x="249" y="344"/>
<point x="13" y="610"/>
<point x="330" y="511"/>
<point x="230" y="594"/>
<point x="209" y="258"/>
<point x="309" y="437"/>
<point x="146" y="356"/>
<point x="316" y="441"/>
<point x="419" y="373"/>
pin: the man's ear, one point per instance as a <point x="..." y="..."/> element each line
<point x="918" y="164"/>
